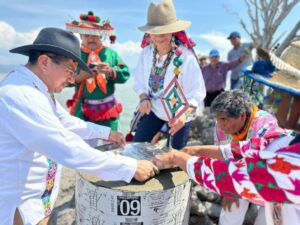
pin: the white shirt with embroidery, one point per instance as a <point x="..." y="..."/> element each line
<point x="190" y="79"/>
<point x="33" y="130"/>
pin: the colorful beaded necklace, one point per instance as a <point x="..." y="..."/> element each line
<point x="157" y="75"/>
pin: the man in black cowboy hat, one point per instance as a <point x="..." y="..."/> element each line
<point x="37" y="134"/>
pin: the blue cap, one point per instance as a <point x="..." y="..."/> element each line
<point x="234" y="34"/>
<point x="214" y="53"/>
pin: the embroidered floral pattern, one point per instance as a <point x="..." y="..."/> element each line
<point x="263" y="176"/>
<point x="50" y="180"/>
<point x="282" y="166"/>
<point x="259" y="175"/>
<point x="263" y="125"/>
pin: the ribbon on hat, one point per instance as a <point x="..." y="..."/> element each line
<point x="99" y="79"/>
<point x="181" y="37"/>
<point x="264" y="68"/>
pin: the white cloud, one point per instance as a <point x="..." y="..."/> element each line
<point x="129" y="51"/>
<point x="11" y="38"/>
<point x="215" y="40"/>
<point x="127" y="48"/>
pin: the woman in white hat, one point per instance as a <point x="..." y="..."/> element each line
<point x="167" y="52"/>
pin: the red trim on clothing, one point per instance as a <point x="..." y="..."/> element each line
<point x="103" y="114"/>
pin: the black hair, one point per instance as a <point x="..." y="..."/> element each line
<point x="234" y="103"/>
<point x="34" y="55"/>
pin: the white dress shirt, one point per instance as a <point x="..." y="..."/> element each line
<point x="190" y="79"/>
<point x="32" y="130"/>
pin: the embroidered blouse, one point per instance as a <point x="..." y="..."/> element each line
<point x="190" y="79"/>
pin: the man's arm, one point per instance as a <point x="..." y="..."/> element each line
<point x="120" y="70"/>
<point x="39" y="130"/>
<point x="263" y="175"/>
<point x="212" y="151"/>
<point x="86" y="130"/>
<point x="82" y="76"/>
<point x="233" y="63"/>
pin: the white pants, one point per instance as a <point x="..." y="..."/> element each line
<point x="237" y="214"/>
<point x="290" y="214"/>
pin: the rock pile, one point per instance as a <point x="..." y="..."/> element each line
<point x="206" y="208"/>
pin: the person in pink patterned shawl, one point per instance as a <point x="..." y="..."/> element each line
<point x="251" y="164"/>
<point x="268" y="174"/>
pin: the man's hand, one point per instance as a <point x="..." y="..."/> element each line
<point x="177" y="125"/>
<point x="117" y="137"/>
<point x="227" y="203"/>
<point x="246" y="54"/>
<point x="145" y="107"/>
<point x="103" y="68"/>
<point x="243" y="57"/>
<point x="145" y="170"/>
<point x="172" y="159"/>
<point x="211" y="151"/>
<point x="82" y="76"/>
<point x="164" y="161"/>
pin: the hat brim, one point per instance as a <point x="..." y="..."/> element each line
<point x="179" y="25"/>
<point x="25" y="50"/>
<point x="233" y="37"/>
<point x="81" y="29"/>
<point x="279" y="81"/>
<point x="214" y="55"/>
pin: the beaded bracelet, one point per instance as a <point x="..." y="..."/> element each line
<point x="189" y="114"/>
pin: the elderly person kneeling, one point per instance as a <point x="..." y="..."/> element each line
<point x="237" y="120"/>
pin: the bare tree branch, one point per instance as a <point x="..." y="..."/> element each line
<point x="243" y="24"/>
<point x="253" y="21"/>
<point x="257" y="17"/>
<point x="288" y="39"/>
<point x="247" y="31"/>
<point x="265" y="16"/>
<point x="276" y="42"/>
<point x="284" y="12"/>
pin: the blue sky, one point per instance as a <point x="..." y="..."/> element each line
<point x="20" y="21"/>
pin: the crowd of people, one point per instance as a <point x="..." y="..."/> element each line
<point x="253" y="159"/>
<point x="215" y="71"/>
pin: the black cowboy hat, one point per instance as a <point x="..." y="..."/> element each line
<point x="56" y="41"/>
